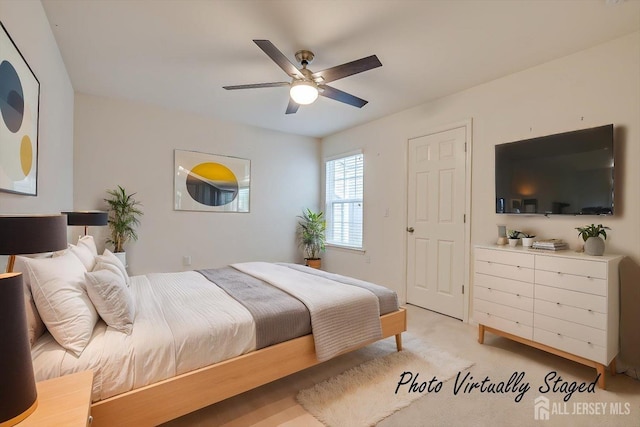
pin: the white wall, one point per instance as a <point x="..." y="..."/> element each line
<point x="594" y="87"/>
<point x="118" y="142"/>
<point x="29" y="28"/>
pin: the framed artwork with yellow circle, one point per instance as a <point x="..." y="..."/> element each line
<point x="19" y="104"/>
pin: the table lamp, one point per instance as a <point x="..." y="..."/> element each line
<point x="21" y="235"/>
<point x="87" y="218"/>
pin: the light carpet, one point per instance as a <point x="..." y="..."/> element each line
<point x="370" y="392"/>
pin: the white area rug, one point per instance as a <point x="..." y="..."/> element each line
<point x="366" y="394"/>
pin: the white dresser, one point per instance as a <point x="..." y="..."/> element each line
<point x="563" y="302"/>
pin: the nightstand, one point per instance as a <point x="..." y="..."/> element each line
<point x="63" y="401"/>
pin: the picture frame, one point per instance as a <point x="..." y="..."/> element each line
<point x="211" y="182"/>
<point x="19" y="111"/>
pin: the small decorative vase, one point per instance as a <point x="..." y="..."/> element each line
<point x="594" y="246"/>
<point x="527" y="242"/>
<point x="513" y="242"/>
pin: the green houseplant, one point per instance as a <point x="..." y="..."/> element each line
<point x="514" y="237"/>
<point x="123" y="218"/>
<point x="311" y="236"/>
<point x="593" y="243"/>
<point x="527" y="239"/>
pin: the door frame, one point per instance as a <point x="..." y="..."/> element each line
<point x="468" y="125"/>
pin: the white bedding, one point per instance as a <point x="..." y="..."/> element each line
<point x="199" y="324"/>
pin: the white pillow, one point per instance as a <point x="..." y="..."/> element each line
<point x="108" y="257"/>
<point x="57" y="285"/>
<point x="112" y="298"/>
<point x="35" y="325"/>
<point x="89" y="243"/>
<point x="103" y="265"/>
<point x="85" y="256"/>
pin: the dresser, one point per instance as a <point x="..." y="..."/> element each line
<point x="563" y="302"/>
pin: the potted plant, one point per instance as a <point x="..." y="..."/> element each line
<point x="514" y="237"/>
<point x="123" y="220"/>
<point x="311" y="228"/>
<point x="527" y="239"/>
<point x="593" y="243"/>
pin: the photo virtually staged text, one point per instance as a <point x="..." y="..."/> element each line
<point x="516" y="384"/>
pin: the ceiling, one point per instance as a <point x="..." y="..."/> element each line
<point x="179" y="53"/>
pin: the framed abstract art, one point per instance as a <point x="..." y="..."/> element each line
<point x="19" y="103"/>
<point x="210" y="182"/>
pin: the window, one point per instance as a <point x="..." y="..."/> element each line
<point x="344" y="197"/>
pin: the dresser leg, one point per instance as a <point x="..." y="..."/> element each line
<point x="612" y="367"/>
<point x="602" y="371"/>
<point x="481" y="334"/>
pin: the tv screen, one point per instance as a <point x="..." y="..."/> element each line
<point x="568" y="173"/>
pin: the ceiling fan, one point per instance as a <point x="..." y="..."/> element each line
<point x="305" y="85"/>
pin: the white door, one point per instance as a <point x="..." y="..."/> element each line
<point x="436" y="221"/>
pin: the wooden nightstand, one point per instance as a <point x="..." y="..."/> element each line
<point x="63" y="401"/>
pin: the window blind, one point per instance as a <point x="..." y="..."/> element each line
<point x="344" y="200"/>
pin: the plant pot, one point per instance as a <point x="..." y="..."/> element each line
<point x="594" y="246"/>
<point x="122" y="256"/>
<point x="527" y="242"/>
<point x="513" y="242"/>
<point x="313" y="262"/>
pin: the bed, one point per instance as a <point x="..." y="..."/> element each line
<point x="199" y="337"/>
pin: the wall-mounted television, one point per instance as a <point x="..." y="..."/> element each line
<point x="568" y="173"/>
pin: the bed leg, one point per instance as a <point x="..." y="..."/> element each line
<point x="399" y="342"/>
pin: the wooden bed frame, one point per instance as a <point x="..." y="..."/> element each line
<point x="169" y="399"/>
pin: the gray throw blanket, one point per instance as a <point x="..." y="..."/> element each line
<point x="279" y="317"/>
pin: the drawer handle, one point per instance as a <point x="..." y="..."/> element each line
<point x="559" y="334"/>
<point x="517" y="295"/>
<point x="560" y="272"/>
<point x="517" y="323"/>
<point x="558" y="304"/>
<point x="590" y="311"/>
<point x="589" y="277"/>
<point x="589" y="342"/>
<point x="517" y="266"/>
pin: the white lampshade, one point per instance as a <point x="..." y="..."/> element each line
<point x="303" y="92"/>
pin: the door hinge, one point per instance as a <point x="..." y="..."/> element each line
<point x="462" y="289"/>
<point x="464" y="218"/>
<point x="465" y="147"/>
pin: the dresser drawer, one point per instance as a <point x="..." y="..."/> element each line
<point x="591" y="285"/>
<point x="513" y="272"/>
<point x="504" y="311"/>
<point x="579" y="267"/>
<point x="506" y="325"/>
<point x="571" y="329"/>
<point x="572" y="345"/>
<point x="505" y="257"/>
<point x="504" y="298"/>
<point x="571" y="298"/>
<point x="573" y="314"/>
<point x="511" y="286"/>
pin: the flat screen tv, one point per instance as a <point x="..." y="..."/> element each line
<point x="568" y="173"/>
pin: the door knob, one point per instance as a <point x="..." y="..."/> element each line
<point x="410" y="229"/>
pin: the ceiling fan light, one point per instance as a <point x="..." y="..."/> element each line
<point x="303" y="92"/>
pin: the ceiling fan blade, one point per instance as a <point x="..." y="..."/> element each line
<point x="279" y="58"/>
<point x="292" y="108"/>
<point x="348" y="69"/>
<point x="257" y="85"/>
<point x="338" y="95"/>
